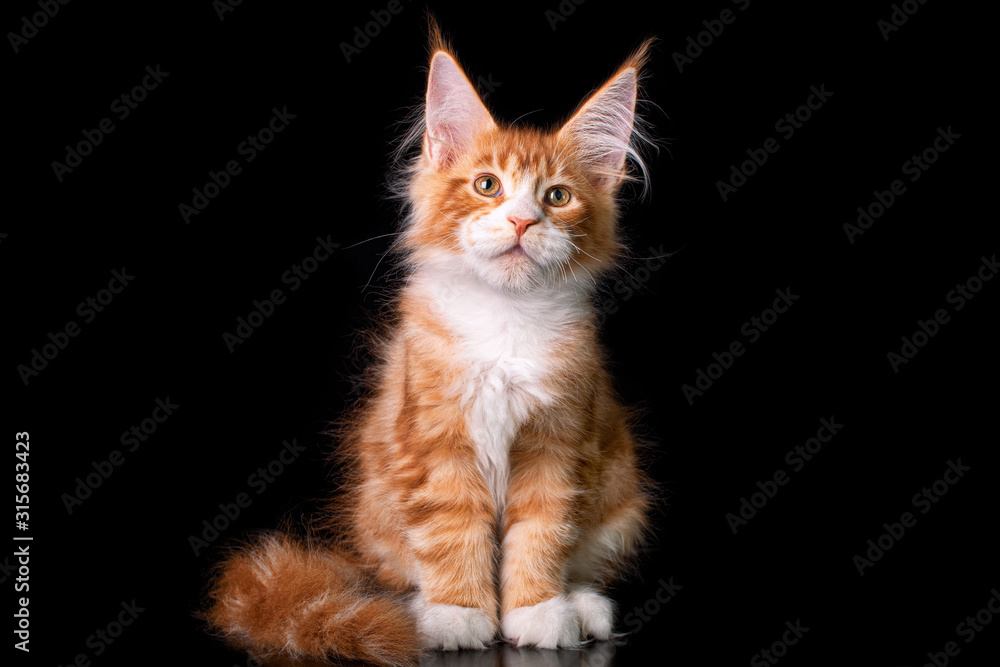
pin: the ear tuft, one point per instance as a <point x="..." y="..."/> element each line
<point x="454" y="114"/>
<point x="435" y="37"/>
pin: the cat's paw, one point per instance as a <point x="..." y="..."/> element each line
<point x="450" y="627"/>
<point x="596" y="613"/>
<point x="554" y="623"/>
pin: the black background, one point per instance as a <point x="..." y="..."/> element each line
<point x="325" y="176"/>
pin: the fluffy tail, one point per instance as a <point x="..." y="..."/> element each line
<point x="281" y="599"/>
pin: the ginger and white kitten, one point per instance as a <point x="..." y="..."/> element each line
<point x="494" y="485"/>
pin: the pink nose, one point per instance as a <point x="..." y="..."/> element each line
<point x="521" y="224"/>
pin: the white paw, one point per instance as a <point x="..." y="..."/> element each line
<point x="596" y="613"/>
<point x="550" y="624"/>
<point x="449" y="627"/>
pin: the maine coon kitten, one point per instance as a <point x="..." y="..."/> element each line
<point x="494" y="484"/>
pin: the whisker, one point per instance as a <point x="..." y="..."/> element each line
<point x="443" y="213"/>
<point x="584" y="252"/>
<point x="574" y="224"/>
<point x="381" y="236"/>
<point x="523" y="115"/>
<point x="374" y="270"/>
<point x="666" y="256"/>
<point x="592" y="278"/>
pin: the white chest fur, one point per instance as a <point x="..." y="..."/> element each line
<point x="507" y="344"/>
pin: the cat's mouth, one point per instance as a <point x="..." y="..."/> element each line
<point x="516" y="250"/>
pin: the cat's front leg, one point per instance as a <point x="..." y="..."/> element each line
<point x="540" y="529"/>
<point x="451" y="527"/>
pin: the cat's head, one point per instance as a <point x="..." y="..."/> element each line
<point x="520" y="207"/>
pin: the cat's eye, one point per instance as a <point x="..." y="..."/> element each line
<point x="557" y="196"/>
<point x="487" y="185"/>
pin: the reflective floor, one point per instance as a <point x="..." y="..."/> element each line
<point x="596" y="654"/>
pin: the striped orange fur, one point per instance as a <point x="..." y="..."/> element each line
<point x="494" y="487"/>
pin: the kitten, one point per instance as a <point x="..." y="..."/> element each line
<point x="494" y="485"/>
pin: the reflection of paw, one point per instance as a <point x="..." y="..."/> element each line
<point x="550" y="624"/>
<point x="450" y="627"/>
<point x="452" y="659"/>
<point x="596" y="613"/>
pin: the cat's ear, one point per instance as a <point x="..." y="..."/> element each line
<point x="603" y="132"/>
<point x="454" y="114"/>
